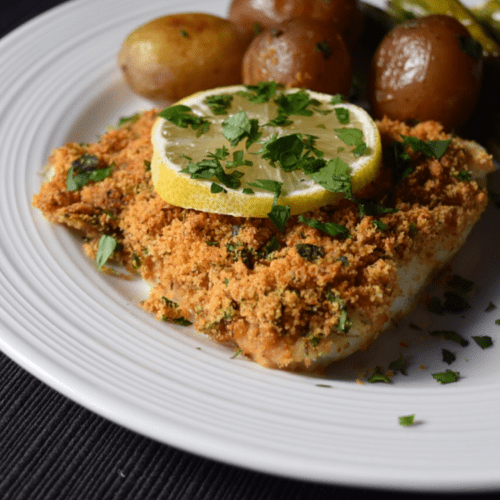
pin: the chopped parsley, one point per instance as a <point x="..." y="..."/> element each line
<point x="483" y="341"/>
<point x="448" y="356"/>
<point x="378" y="376"/>
<point x="181" y="320"/>
<point x="344" y="323"/>
<point x="219" y="104"/>
<point x="260" y="93"/>
<point x="211" y="167"/>
<point x="128" y="120"/>
<point x="268" y="185"/>
<point x="170" y="303"/>
<point x="464" y="175"/>
<point x="182" y="116"/>
<point x="381" y="226"/>
<point x="238" y="160"/>
<point x="296" y="103"/>
<point x="342" y="115"/>
<point x="85" y="169"/>
<point x="279" y="216"/>
<point x="334" y="176"/>
<point x="398" y="365"/>
<point x="352" y="137"/>
<point x="309" y="251"/>
<point x="450" y="335"/>
<point x="107" y="245"/>
<point x="215" y="188"/>
<point x="406" y="420"/>
<point x="431" y="149"/>
<point x="401" y="161"/>
<point x="329" y="228"/>
<point x="337" y="99"/>
<point x="446" y="377"/>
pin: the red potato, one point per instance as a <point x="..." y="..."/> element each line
<point x="344" y="16"/>
<point x="426" y="69"/>
<point x="301" y="52"/>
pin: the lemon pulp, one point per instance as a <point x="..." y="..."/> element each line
<point x="176" y="147"/>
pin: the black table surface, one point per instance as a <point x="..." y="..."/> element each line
<point x="52" y="448"/>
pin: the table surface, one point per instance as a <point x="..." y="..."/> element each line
<point x="53" y="448"/>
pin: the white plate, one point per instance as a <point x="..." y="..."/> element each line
<point x="83" y="333"/>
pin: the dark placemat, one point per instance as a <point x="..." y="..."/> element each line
<point x="52" y="448"/>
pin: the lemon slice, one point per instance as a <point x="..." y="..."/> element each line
<point x="204" y="129"/>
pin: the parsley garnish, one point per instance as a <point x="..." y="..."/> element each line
<point x="84" y="170"/>
<point x="344" y="324"/>
<point x="337" y="99"/>
<point x="309" y="251"/>
<point x="237" y="353"/>
<point x="446" y="377"/>
<point x="219" y="104"/>
<point x="292" y="152"/>
<point x="450" y="335"/>
<point x="238" y="127"/>
<point x="238" y="160"/>
<point x="260" y="93"/>
<point x="210" y="168"/>
<point x="329" y="228"/>
<point x="181" y="116"/>
<point x="296" y="104"/>
<point x="483" y="342"/>
<point x="352" y="137"/>
<point x="381" y="226"/>
<point x="107" y="245"/>
<point x="378" y="376"/>
<point x="279" y="216"/>
<point x="335" y="177"/>
<point x="431" y="149"/>
<point x="268" y="185"/>
<point x="215" y="188"/>
<point x="342" y="115"/>
<point x="170" y="303"/>
<point x="178" y="321"/>
<point x="448" y="356"/>
<point x="407" y="420"/>
<point x="398" y="365"/>
<point x="464" y="175"/>
<point x="128" y="120"/>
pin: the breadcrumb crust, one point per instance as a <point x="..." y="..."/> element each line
<point x="276" y="306"/>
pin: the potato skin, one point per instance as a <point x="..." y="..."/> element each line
<point x="174" y="56"/>
<point x="420" y="72"/>
<point x="344" y="15"/>
<point x="300" y="52"/>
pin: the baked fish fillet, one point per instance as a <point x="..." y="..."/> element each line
<point x="295" y="300"/>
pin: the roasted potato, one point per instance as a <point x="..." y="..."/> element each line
<point x="300" y="52"/>
<point x="427" y="68"/>
<point x="176" y="55"/>
<point x="253" y="16"/>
